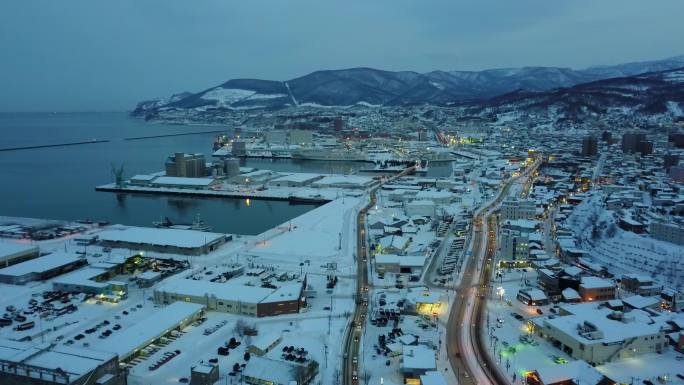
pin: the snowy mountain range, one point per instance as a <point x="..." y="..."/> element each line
<point x="373" y="87"/>
<point x="653" y="93"/>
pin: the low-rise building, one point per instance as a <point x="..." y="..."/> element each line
<point x="399" y="263"/>
<point x="266" y="371"/>
<point x="184" y="182"/>
<point x="47" y="364"/>
<point x="668" y="232"/>
<point x="204" y="374"/>
<point x="41" y="268"/>
<point x="572" y="373"/>
<point x="639" y="284"/>
<point x="13" y="253"/>
<point x="172" y="241"/>
<point x="598" y="334"/>
<point x="130" y="341"/>
<point x="596" y="289"/>
<point x="295" y="180"/>
<point x="264" y="343"/>
<point x="234" y="298"/>
<point x="532" y="297"/>
<point x="417" y="361"/>
<point x="422" y="208"/>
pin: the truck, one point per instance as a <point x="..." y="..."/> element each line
<point x="25" y="326"/>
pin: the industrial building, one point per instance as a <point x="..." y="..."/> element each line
<point x="131" y="341"/>
<point x="234" y="298"/>
<point x="186" y="165"/>
<point x="184" y="182"/>
<point x="41" y="268"/>
<point x="92" y="280"/>
<point x="13" y="253"/>
<point x="171" y="241"/>
<point x="345" y="182"/>
<point x="30" y="363"/>
<point x="231" y="167"/>
<point x="295" y="180"/>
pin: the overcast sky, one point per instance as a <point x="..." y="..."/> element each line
<point x="85" y="55"/>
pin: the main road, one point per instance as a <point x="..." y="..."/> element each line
<point x="465" y="348"/>
<point x="353" y="340"/>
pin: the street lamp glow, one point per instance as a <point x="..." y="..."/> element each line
<point x="500" y="291"/>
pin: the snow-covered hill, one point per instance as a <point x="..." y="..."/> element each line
<point x="368" y="86"/>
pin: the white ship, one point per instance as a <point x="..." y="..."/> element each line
<point x="330" y="154"/>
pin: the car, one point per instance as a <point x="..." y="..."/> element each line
<point x="387" y="363"/>
<point x="560" y="360"/>
<point x="648" y="382"/>
<point x="355" y="360"/>
<point x="540" y="312"/>
<point x="183" y="380"/>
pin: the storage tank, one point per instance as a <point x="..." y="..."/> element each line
<point x="231" y="166"/>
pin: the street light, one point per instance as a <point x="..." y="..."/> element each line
<point x="500" y="291"/>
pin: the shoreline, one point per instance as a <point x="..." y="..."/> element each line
<point x="213" y="194"/>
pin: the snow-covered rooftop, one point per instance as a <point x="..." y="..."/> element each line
<point x="418" y="357"/>
<point x="145" y="331"/>
<point x="181" y="181"/>
<point x="163" y="237"/>
<point x="40" y="264"/>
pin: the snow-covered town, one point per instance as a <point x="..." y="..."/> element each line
<point x="550" y="261"/>
<point x="342" y="193"/>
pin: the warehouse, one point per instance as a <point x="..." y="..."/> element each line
<point x="173" y="317"/>
<point x="234" y="298"/>
<point x="41" y="268"/>
<point x="172" y="241"/>
<point x="91" y="280"/>
<point x="25" y="363"/>
<point x="345" y="181"/>
<point x="295" y="180"/>
<point x="13" y="253"/>
<point x="184" y="183"/>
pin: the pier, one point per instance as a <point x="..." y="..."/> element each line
<point x="170" y="135"/>
<point x="257" y="195"/>
<point x="54" y="145"/>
